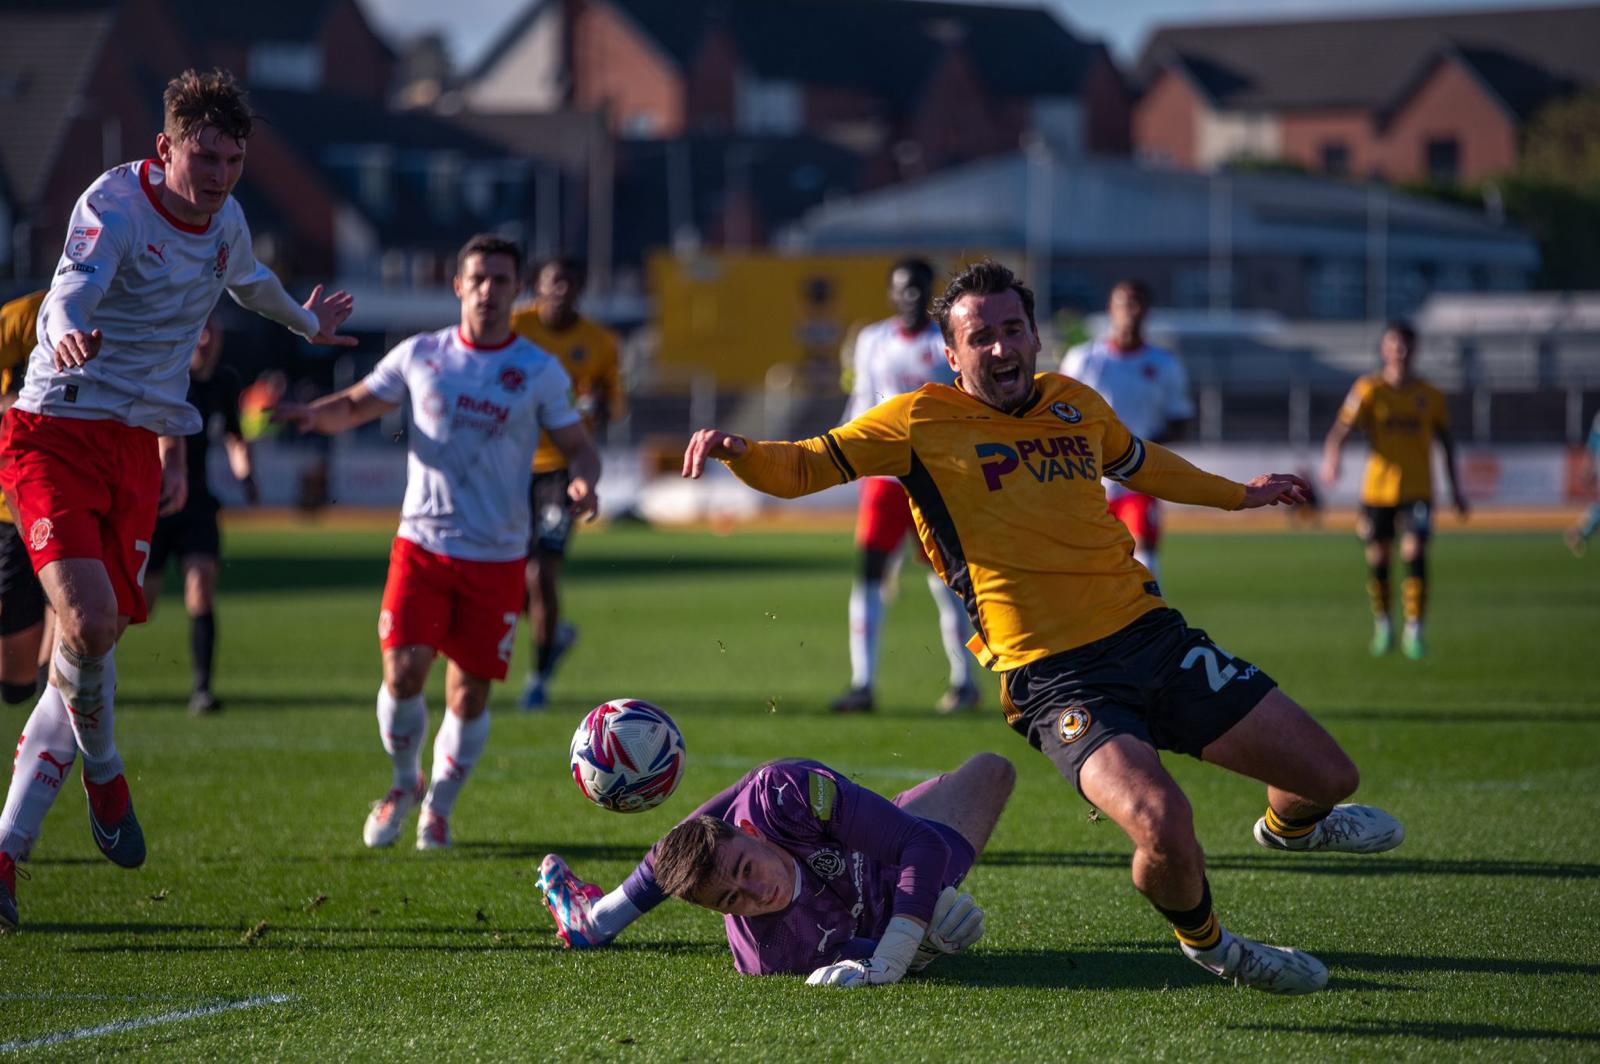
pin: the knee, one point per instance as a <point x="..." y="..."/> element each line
<point x="996" y="775"/>
<point x="88" y="633"/>
<point x="406" y="678"/>
<point x="1162" y="825"/>
<point x="1337" y="779"/>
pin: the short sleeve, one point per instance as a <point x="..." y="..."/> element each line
<point x="1356" y="403"/>
<point x="554" y="397"/>
<point x="387" y="380"/>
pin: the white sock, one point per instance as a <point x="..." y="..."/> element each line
<point x="1146" y="556"/>
<point x="612" y="913"/>
<point x="866" y="616"/>
<point x="456" y="749"/>
<point x="403" y="725"/>
<point x="88" y="685"/>
<point x="44" y="757"/>
<point x="954" y="628"/>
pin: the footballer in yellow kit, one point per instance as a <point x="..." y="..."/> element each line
<point x="22" y="601"/>
<point x="1401" y="416"/>
<point x="1097" y="671"/>
<point x="588" y="352"/>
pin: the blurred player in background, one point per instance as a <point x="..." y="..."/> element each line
<point x="150" y="248"/>
<point x="1097" y="672"/>
<point x="898" y="354"/>
<point x="815" y="875"/>
<point x="25" y="620"/>
<point x="192" y="535"/>
<point x="1149" y="390"/>
<point x="587" y="350"/>
<point x="479" y="398"/>
<point x="1401" y="415"/>
<point x="1577" y="537"/>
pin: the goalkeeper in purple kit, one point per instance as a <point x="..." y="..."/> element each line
<point x="815" y="875"/>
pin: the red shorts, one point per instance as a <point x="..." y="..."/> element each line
<point x="84" y="489"/>
<point x="465" y="610"/>
<point x="1142" y="515"/>
<point x="883" y="516"/>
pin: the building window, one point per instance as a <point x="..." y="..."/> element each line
<point x="1336" y="158"/>
<point x="1444" y="160"/>
<point x="286" y="65"/>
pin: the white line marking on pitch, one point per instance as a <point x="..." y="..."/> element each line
<point x="146" y="1021"/>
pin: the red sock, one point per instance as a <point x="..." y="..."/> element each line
<point x="109" y="800"/>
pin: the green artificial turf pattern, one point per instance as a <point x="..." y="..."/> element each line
<point x="1478" y="939"/>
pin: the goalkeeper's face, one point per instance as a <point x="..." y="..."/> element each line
<point x="751" y="876"/>
<point x="487" y="287"/>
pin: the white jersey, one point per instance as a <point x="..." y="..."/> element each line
<point x="887" y="361"/>
<point x="1147" y="388"/>
<point x="476" y="415"/>
<point x="148" y="282"/>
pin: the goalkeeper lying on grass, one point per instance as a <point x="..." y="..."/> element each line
<point x="815" y="875"/>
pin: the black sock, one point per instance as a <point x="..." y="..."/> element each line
<point x="203" y="648"/>
<point x="1196" y="928"/>
<point x="14" y="694"/>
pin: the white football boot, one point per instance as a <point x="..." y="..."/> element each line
<point x="1347" y="829"/>
<point x="388" y="816"/>
<point x="433" y="831"/>
<point x="1274" y="969"/>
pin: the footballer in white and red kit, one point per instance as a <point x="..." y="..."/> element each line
<point x="1148" y="389"/>
<point x="890" y="357"/>
<point x="93" y="446"/>
<point x="479" y="397"/>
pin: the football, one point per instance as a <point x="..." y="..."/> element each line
<point x="627" y="755"/>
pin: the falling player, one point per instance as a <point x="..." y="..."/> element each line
<point x="479" y="397"/>
<point x="151" y="247"/>
<point x="898" y="354"/>
<point x="1097" y="672"/>
<point x="587" y="350"/>
<point x="192" y="534"/>
<point x="1401" y="415"/>
<point x="1149" y="391"/>
<point x="24" y="619"/>
<point x="815" y="875"/>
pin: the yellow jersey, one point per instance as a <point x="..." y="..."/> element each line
<point x="1400" y="425"/>
<point x="19" y="324"/>
<point x="588" y="352"/>
<point x="1009" y="506"/>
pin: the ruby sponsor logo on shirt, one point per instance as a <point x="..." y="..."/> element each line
<point x="81" y="241"/>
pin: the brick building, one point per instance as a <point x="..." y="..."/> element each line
<point x="1419" y="97"/>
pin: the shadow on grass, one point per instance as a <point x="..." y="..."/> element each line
<point x="1442" y="1032"/>
<point x="1508" y="716"/>
<point x="1313" y="864"/>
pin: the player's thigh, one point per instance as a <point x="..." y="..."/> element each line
<point x="406" y="667"/>
<point x="465" y="694"/>
<point x="417" y="595"/>
<point x="84" y="600"/>
<point x="485" y="606"/>
<point x="1068" y="705"/>
<point x="1125" y="779"/>
<point x="1283" y="746"/>
<point x="969" y="799"/>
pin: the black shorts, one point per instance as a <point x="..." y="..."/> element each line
<point x="190" y="532"/>
<point x="1377" y="524"/>
<point x="1157" y="679"/>
<point x="551" y="512"/>
<point x="21" y="594"/>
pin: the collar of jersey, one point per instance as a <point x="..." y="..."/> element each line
<point x="1034" y="395"/>
<point x="155" y="201"/>
<point x="461" y="336"/>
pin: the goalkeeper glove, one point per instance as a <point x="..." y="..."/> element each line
<point x="888" y="963"/>
<point x="957" y="924"/>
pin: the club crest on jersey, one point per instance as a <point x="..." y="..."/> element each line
<point x="1073" y="723"/>
<point x="39" y="533"/>
<point x="1066" y="412"/>
<point x="434" y="406"/>
<point x="512" y="379"/>
<point x="82" y="240"/>
<point x="826" y="863"/>
<point x="222" y="258"/>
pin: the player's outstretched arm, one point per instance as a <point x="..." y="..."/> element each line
<point x="335" y="413"/>
<point x="1275" y="489"/>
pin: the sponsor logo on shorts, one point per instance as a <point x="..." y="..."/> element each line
<point x="222" y="258"/>
<point x="385" y="623"/>
<point x="1073" y="723"/>
<point x="39" y="533"/>
<point x="1066" y="412"/>
<point x="1055" y="458"/>
<point x="826" y="863"/>
<point x="512" y="379"/>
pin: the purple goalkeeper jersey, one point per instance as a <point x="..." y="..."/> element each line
<point x="860" y="860"/>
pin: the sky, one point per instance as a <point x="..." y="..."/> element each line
<point x="470" y="26"/>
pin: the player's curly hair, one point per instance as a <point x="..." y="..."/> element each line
<point x="194" y="100"/>
<point x="687" y="857"/>
<point x="985" y="277"/>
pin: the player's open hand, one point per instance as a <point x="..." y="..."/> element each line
<point x="957" y="923"/>
<point x="1330" y="471"/>
<point x="77" y="348"/>
<point x="582" y="500"/>
<point x="1275" y="489"/>
<point x="331" y="313"/>
<point x="710" y="443"/>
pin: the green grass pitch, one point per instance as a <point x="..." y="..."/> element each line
<point x="1478" y="939"/>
